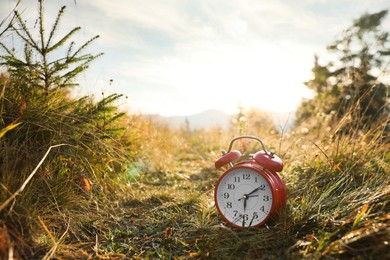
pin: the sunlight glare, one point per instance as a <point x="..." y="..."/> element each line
<point x="268" y="77"/>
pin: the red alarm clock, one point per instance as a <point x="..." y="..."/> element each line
<point x="250" y="191"/>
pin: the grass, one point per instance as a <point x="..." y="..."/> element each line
<point x="161" y="204"/>
<point x="338" y="206"/>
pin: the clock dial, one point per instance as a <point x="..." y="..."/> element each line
<point x="244" y="197"/>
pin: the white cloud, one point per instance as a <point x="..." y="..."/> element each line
<point x="176" y="57"/>
<point x="225" y="76"/>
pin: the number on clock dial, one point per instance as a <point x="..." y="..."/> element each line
<point x="244" y="197"/>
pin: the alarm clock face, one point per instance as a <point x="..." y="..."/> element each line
<point x="243" y="198"/>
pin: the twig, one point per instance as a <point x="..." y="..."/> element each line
<point x="336" y="166"/>
<point x="12" y="19"/>
<point x="51" y="252"/>
<point x="29" y="177"/>
<point x="11" y="252"/>
<point x="283" y="128"/>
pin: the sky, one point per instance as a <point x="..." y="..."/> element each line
<point x="181" y="57"/>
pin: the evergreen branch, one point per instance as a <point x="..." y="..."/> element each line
<point x="69" y="85"/>
<point x="115" y="118"/>
<point x="66" y="61"/>
<point x="41" y="27"/>
<point x="55" y="67"/>
<point x="70" y="49"/>
<point x="85" y="57"/>
<point x="61" y="65"/>
<point x="26" y="40"/>
<point x="13" y="62"/>
<point x="64" y="39"/>
<point x="72" y="74"/>
<point x="111" y="98"/>
<point x="9" y="26"/>
<point x="29" y="38"/>
<point x="27" y="54"/>
<point x="58" y="64"/>
<point x="6" y="49"/>
<point x="84" y="46"/>
<point x="54" y="28"/>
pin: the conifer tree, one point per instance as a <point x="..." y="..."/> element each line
<point x="38" y="85"/>
<point x="36" y="70"/>
<point x="349" y="89"/>
<point x="36" y="113"/>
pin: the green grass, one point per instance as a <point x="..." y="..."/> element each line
<point x="338" y="207"/>
<point x="162" y="205"/>
<point x="151" y="193"/>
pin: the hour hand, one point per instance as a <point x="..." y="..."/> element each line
<point x="245" y="197"/>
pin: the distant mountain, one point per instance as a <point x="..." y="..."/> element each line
<point x="205" y="119"/>
<point x="217" y="118"/>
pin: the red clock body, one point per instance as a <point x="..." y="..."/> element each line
<point x="250" y="191"/>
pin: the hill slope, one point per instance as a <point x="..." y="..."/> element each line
<point x="205" y="119"/>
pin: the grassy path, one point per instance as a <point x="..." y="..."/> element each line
<point x="171" y="214"/>
<point x="166" y="211"/>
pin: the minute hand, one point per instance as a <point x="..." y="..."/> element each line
<point x="253" y="191"/>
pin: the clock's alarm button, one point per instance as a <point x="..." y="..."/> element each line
<point x="269" y="161"/>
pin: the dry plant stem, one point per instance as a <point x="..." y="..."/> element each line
<point x="329" y="159"/>
<point x="29" y="177"/>
<point x="52" y="251"/>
